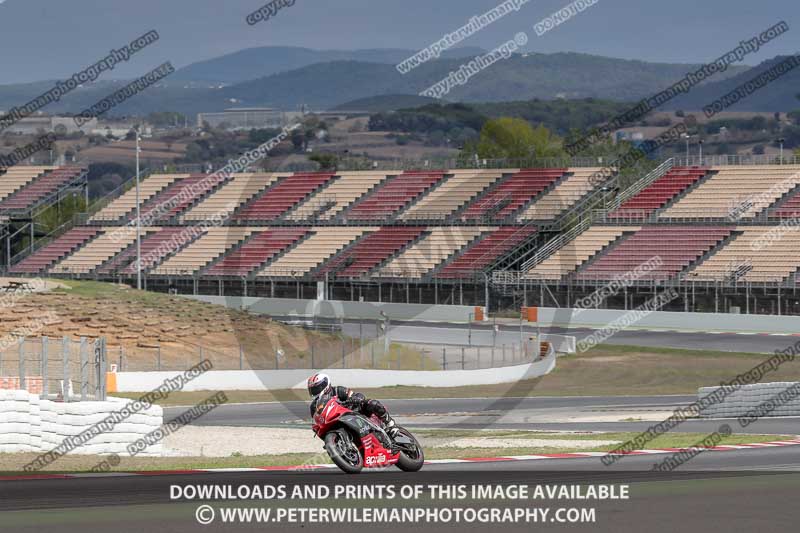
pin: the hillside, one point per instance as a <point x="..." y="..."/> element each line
<point x="334" y="83"/>
<point x="383" y="103"/>
<point x="266" y="60"/>
<point x="521" y="77"/>
<point x="779" y="95"/>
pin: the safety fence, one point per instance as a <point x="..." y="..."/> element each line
<point x="64" y="368"/>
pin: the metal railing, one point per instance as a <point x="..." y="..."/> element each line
<point x="736" y="160"/>
<point x="352" y="164"/>
<point x="641" y="184"/>
<point x="556" y="243"/>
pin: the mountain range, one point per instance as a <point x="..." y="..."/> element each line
<point x="288" y="77"/>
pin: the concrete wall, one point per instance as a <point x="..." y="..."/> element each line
<point x="29" y="424"/>
<point x="296" y="379"/>
<point x="750" y="397"/>
<point x="336" y="308"/>
<point x="598" y="318"/>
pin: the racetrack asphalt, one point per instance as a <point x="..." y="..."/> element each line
<point x="748" y="490"/>
<point x="503" y="413"/>
<point x="482" y="334"/>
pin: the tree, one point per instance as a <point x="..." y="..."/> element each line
<point x="514" y="138"/>
<point x="299" y="140"/>
<point x="326" y="161"/>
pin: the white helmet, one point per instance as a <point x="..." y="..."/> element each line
<point x="318" y="383"/>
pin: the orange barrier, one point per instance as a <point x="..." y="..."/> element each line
<point x="33" y="384"/>
<point x="478" y="315"/>
<point x="111" y="382"/>
<point x="531" y="314"/>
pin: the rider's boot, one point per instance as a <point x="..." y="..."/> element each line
<point x="389" y="425"/>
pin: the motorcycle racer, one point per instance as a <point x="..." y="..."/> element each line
<point x="321" y="391"/>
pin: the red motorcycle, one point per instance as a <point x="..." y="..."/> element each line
<point x="354" y="441"/>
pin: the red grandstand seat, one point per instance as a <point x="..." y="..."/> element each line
<point x="62" y="246"/>
<point x="371" y="251"/>
<point x="676" y="246"/>
<point x="512" y="193"/>
<point x="485" y="250"/>
<point x="282" y="196"/>
<point x="256" y="251"/>
<point x="394" y="195"/>
<point x="658" y="193"/>
<point x="41" y="188"/>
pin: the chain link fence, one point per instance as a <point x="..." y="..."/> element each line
<point x="334" y="351"/>
<point x="65" y="369"/>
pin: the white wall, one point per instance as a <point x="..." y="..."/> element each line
<point x="215" y="380"/>
<point x="338" y="309"/>
<point x="599" y="318"/>
<point x="28" y="424"/>
<point x="749" y="397"/>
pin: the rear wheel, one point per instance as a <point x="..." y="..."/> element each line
<point x="411" y="456"/>
<point x="343" y="451"/>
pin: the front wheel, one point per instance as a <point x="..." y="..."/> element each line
<point x="343" y="451"/>
<point x="411" y="456"/>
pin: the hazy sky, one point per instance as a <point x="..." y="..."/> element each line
<point x="46" y="39"/>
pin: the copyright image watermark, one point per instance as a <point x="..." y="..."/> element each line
<point x="45" y="142"/>
<point x="183" y="419"/>
<point x="129" y="409"/>
<point x="86" y="75"/>
<point x="475" y="24"/>
<point x="752" y="85"/>
<point x="268" y="11"/>
<point x="682" y="86"/>
<point x="562" y="15"/>
<point x="628" y="319"/>
<point x="681" y="414"/>
<point x="681" y="457"/>
<point x="613" y="287"/>
<point x="468" y="70"/>
<point x="193" y="190"/>
<point x="129" y="91"/>
<point x="185" y="236"/>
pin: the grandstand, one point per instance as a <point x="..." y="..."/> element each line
<point x="512" y="230"/>
<point x="26" y="191"/>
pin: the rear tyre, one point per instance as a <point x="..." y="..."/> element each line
<point x="411" y="458"/>
<point x="343" y="451"/>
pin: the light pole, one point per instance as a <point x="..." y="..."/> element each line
<point x="687" y="137"/>
<point x="138" y="221"/>
<point x="780" y="141"/>
<point x="700" y="144"/>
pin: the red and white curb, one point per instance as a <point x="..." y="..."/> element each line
<point x="304" y="468"/>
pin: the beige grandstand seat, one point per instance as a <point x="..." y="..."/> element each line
<point x="126" y="203"/>
<point x="461" y="187"/>
<point x="99" y="250"/>
<point x="741" y="190"/>
<point x="346" y="189"/>
<point x="430" y="251"/>
<point x="754" y="255"/>
<point x="198" y="254"/>
<point x="569" y="257"/>
<point x="234" y="193"/>
<point x="572" y="189"/>
<point x="313" y="251"/>
<point x="17" y="177"/>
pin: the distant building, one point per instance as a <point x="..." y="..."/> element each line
<point x="45" y="123"/>
<point x="245" y="118"/>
